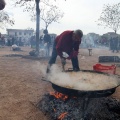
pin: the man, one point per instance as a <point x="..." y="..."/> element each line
<point x="111" y="43"/>
<point x="116" y="40"/>
<point x="2" y="4"/>
<point x="67" y="42"/>
<point x="47" y="41"/>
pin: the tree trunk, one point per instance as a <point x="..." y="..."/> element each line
<point x="37" y="25"/>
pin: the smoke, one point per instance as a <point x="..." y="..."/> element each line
<point x="82" y="80"/>
<point x="58" y="77"/>
<point x="39" y="67"/>
<point x="78" y="80"/>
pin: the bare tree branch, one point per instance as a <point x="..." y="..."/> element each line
<point x="110" y="17"/>
<point x="5" y="19"/>
<point x="34" y="8"/>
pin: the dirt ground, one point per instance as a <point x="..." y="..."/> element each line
<point x="21" y="86"/>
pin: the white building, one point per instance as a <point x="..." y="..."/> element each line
<point x="20" y="33"/>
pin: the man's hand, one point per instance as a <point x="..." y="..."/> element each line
<point x="73" y="55"/>
<point x="63" y="61"/>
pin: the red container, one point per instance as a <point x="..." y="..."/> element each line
<point x="103" y="68"/>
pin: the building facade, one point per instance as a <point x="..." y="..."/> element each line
<point x="21" y="35"/>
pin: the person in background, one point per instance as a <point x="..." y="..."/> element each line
<point x="41" y="39"/>
<point x="117" y="44"/>
<point x="47" y="42"/>
<point x="32" y="41"/>
<point x="114" y="44"/>
<point x="2" y="4"/>
<point x="68" y="42"/>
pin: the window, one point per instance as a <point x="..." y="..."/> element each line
<point x="20" y="33"/>
<point x="15" y="33"/>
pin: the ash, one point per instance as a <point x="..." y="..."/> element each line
<point x="97" y="108"/>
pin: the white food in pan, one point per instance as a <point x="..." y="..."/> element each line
<point x="86" y="81"/>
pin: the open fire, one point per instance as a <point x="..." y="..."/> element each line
<point x="57" y="106"/>
<point x="59" y="95"/>
<point x="61" y="117"/>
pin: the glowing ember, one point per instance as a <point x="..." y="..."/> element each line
<point x="61" y="117"/>
<point x="59" y="95"/>
<point x="72" y="108"/>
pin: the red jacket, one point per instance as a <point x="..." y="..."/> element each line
<point x="64" y="43"/>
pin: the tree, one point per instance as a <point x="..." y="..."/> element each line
<point x="110" y="17"/>
<point x="52" y="14"/>
<point x="5" y="19"/>
<point x="37" y="25"/>
<point x="29" y="7"/>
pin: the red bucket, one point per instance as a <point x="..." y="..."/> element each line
<point x="106" y="69"/>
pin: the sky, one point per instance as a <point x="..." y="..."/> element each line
<point x="78" y="14"/>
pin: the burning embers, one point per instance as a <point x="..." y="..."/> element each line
<point x="57" y="106"/>
<point x="59" y="95"/>
<point x="61" y="117"/>
<point x="63" y="97"/>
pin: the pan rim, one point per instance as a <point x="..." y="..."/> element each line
<point x="98" y="90"/>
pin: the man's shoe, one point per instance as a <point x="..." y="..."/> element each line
<point x="76" y="69"/>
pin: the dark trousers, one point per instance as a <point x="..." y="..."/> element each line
<point x="47" y="50"/>
<point x="54" y="55"/>
<point x="52" y="60"/>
